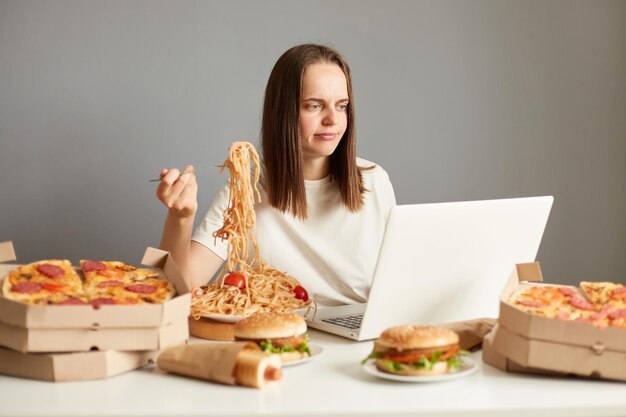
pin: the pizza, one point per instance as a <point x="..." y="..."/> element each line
<point x="599" y="303"/>
<point x="604" y="292"/>
<point x="107" y="282"/>
<point x="38" y="281"/>
<point x="56" y="282"/>
<point x="99" y="271"/>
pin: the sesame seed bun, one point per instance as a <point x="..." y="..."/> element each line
<point x="415" y="337"/>
<point x="270" y="326"/>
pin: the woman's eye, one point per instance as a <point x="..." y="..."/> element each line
<point x="343" y="107"/>
<point x="313" y="106"/>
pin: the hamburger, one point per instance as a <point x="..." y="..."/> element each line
<point x="279" y="333"/>
<point x="417" y="350"/>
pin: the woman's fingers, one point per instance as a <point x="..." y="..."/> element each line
<point x="178" y="191"/>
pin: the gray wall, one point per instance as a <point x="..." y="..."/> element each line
<point x="458" y="100"/>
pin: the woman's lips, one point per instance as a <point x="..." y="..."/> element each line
<point x="326" y="136"/>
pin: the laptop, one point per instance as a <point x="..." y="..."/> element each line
<point x="441" y="263"/>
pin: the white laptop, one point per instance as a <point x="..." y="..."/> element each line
<point x="441" y="263"/>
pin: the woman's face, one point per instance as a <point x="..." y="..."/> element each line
<point x="323" y="110"/>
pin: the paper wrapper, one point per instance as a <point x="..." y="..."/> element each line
<point x="228" y="363"/>
<point x="471" y="332"/>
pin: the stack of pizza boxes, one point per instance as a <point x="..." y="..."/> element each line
<point x="79" y="342"/>
<point x="522" y="342"/>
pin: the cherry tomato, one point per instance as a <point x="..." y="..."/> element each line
<point x="235" y="279"/>
<point x="301" y="293"/>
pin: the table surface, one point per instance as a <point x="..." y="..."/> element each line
<point x="330" y="384"/>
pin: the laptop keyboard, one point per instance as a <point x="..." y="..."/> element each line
<point x="350" y="322"/>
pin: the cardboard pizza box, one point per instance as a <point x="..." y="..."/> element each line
<point x="561" y="358"/>
<point x="541" y="328"/>
<point x="78" y="366"/>
<point x="105" y="316"/>
<point x="495" y="359"/>
<point x="568" y="347"/>
<point x="80" y="340"/>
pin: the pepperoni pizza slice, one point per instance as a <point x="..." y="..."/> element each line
<point x="147" y="290"/>
<point x="97" y="272"/>
<point x="37" y="282"/>
<point x="114" y="282"/>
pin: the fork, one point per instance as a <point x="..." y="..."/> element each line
<point x="194" y="171"/>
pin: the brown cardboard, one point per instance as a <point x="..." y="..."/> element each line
<point x="79" y="340"/>
<point x="495" y="359"/>
<point x="72" y="366"/>
<point x="107" y="316"/>
<point x="567" y="347"/>
<point x="560" y="357"/>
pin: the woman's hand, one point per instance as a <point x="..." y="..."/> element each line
<point x="179" y="191"/>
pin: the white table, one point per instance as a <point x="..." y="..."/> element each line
<point x="332" y="384"/>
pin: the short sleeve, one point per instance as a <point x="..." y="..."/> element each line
<point x="387" y="195"/>
<point x="213" y="220"/>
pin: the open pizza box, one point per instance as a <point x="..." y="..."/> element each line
<point x="71" y="328"/>
<point x="567" y="347"/>
<point x="105" y="316"/>
<point x="78" y="366"/>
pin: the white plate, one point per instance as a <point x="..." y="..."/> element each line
<point x="315" y="351"/>
<point x="469" y="367"/>
<point x="224" y="318"/>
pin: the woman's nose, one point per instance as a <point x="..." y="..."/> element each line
<point x="330" y="118"/>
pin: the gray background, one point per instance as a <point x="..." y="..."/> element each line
<point x="458" y="100"/>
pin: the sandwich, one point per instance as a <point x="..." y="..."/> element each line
<point x="279" y="333"/>
<point x="417" y="350"/>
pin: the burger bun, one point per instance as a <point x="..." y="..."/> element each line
<point x="415" y="337"/>
<point x="270" y="326"/>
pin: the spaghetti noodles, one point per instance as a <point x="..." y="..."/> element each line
<point x="265" y="289"/>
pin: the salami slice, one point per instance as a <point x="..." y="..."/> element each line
<point x="141" y="288"/>
<point x="101" y="300"/>
<point x="617" y="314"/>
<point x="568" y="291"/>
<point x="579" y="302"/>
<point x="26" y="287"/>
<point x="529" y="303"/>
<point x="89" y="266"/>
<point x="601" y="315"/>
<point x="105" y="284"/>
<point x="51" y="271"/>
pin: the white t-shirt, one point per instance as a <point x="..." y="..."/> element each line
<point x="333" y="252"/>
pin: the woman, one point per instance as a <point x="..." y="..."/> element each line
<point x="323" y="210"/>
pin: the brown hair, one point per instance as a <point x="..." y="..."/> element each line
<point x="280" y="137"/>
